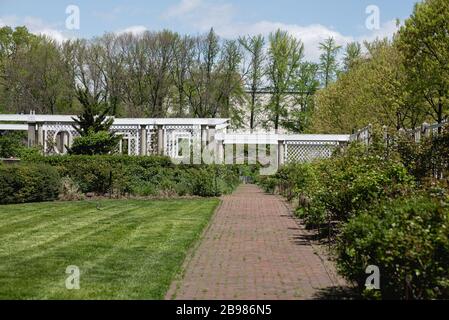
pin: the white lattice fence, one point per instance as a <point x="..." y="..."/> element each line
<point x="306" y="151"/>
<point x="174" y="134"/>
<point x="51" y="132"/>
<point x="132" y="133"/>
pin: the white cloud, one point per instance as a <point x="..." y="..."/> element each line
<point x="200" y="14"/>
<point x="36" y="26"/>
<point x="182" y="8"/>
<point x="310" y="35"/>
<point x="8" y="21"/>
<point x="203" y="15"/>
<point x="136" y="30"/>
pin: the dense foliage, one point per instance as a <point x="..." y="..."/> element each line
<point x="408" y="239"/>
<point x="95" y="143"/>
<point x="399" y="83"/>
<point x="335" y="189"/>
<point x="29" y="183"/>
<point x="13" y="145"/>
<point x="145" y="176"/>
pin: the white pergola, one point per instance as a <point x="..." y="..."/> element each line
<point x="140" y="135"/>
<point x="145" y="136"/>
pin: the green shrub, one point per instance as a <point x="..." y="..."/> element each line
<point x="408" y="239"/>
<point x="11" y="144"/>
<point x="426" y="159"/>
<point x="268" y="183"/>
<point x="335" y="189"/>
<point x="95" y="143"/>
<point x="28" y="183"/>
<point x="145" y="176"/>
<point x="355" y="181"/>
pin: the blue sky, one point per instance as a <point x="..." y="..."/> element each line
<point x="311" y="20"/>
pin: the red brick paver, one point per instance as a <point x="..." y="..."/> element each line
<point x="254" y="249"/>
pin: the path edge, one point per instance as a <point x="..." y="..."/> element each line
<point x="179" y="276"/>
<point x="318" y="250"/>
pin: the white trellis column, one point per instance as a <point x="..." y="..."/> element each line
<point x="281" y="153"/>
<point x="65" y="142"/>
<point x="212" y="143"/>
<point x="143" y="140"/>
<point x="160" y="140"/>
<point x="204" y="137"/>
<point x="220" y="151"/>
<point x="31" y="134"/>
<point x="40" y="134"/>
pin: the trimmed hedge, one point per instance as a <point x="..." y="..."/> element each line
<point x="145" y="176"/>
<point x="29" y="183"/>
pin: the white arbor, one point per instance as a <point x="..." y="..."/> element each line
<point x="208" y="140"/>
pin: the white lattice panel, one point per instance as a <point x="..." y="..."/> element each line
<point x="132" y="133"/>
<point x="308" y="151"/>
<point x="51" y="132"/>
<point x="172" y="135"/>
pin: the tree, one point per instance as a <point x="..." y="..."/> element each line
<point x="256" y="71"/>
<point x="284" y="56"/>
<point x="112" y="67"/>
<point x="328" y="61"/>
<point x="424" y="41"/>
<point x="159" y="51"/>
<point x="93" y="125"/>
<point x="201" y="87"/>
<point x="306" y="84"/>
<point x="372" y="91"/>
<point x="230" y="82"/>
<point x="183" y="54"/>
<point x="353" y="55"/>
<point x="32" y="73"/>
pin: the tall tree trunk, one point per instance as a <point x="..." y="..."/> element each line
<point x="253" y="106"/>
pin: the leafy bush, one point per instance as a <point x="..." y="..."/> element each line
<point x="408" y="239"/>
<point x="268" y="183"/>
<point x="28" y="183"/>
<point x="144" y="176"/>
<point x="95" y="143"/>
<point x="12" y="145"/>
<point x="336" y="188"/>
<point x="426" y="159"/>
<point x="356" y="179"/>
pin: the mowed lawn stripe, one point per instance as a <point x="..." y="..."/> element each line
<point x="43" y="218"/>
<point x="17" y="213"/>
<point x="144" y="277"/>
<point x="134" y="253"/>
<point x="78" y="230"/>
<point x="19" y="237"/>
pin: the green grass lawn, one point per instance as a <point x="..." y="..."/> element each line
<point x="125" y="250"/>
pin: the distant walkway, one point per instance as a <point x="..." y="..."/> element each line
<point x="254" y="249"/>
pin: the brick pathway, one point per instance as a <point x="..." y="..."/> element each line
<point x="254" y="249"/>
